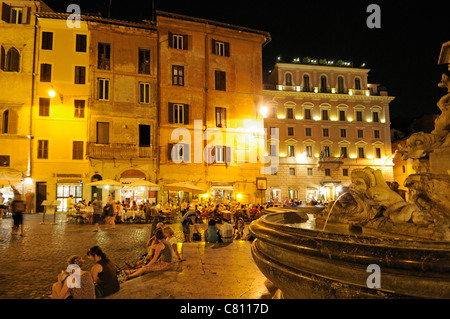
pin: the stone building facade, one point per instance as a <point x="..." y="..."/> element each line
<point x="327" y="120"/>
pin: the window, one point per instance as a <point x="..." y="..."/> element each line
<point x="5" y="122"/>
<point x="361" y="152"/>
<point x="47" y="40"/>
<point x="306" y="84"/>
<point x="290" y="131"/>
<point x="323" y="84"/>
<point x="326" y="132"/>
<point x="104" y="56"/>
<point x="144" y="61"/>
<point x="359" y="116"/>
<point x="80" y="44"/>
<point x="307" y="114"/>
<point x="4" y="160"/>
<point x="102" y="133"/>
<point x="44" y="106"/>
<point x="308" y="151"/>
<point x="15" y="15"/>
<point x="291" y="150"/>
<point x="178" y="152"/>
<point x="46" y="72"/>
<point x="288" y="79"/>
<point x="360" y="133"/>
<point x="345" y="172"/>
<point x="308" y="131"/>
<point x="290" y="113"/>
<point x="79" y="106"/>
<point x="357" y="84"/>
<point x="178" y="113"/>
<point x="341" y="85"/>
<point x="178" y="75"/>
<point x="42" y="151"/>
<point x="377" y="152"/>
<point x="178" y="41"/>
<point x="326" y="151"/>
<point x="325" y="115"/>
<point x="327" y="172"/>
<point x="343" y="132"/>
<point x="221" y="117"/>
<point x="10" y="61"/>
<point x="77" y="150"/>
<point x="80" y="75"/>
<point x="344" y="152"/>
<point x="309" y="171"/>
<point x="221" y="48"/>
<point x="273" y="150"/>
<point x="376" y="133"/>
<point x="291" y="171"/>
<point x="144" y="93"/>
<point x="103" y="89"/>
<point x="342" y="115"/>
<point x="222" y="154"/>
<point x="375" y="117"/>
<point x="144" y="135"/>
<point x="221" y="83"/>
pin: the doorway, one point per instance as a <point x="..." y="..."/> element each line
<point x="41" y="195"/>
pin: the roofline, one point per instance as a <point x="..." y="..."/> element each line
<point x="215" y="23"/>
<point x="54" y="15"/>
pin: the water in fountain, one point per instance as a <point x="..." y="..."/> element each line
<point x="329" y="213"/>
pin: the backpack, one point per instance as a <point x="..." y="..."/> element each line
<point x="18" y="206"/>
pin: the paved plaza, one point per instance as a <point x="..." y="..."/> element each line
<point x="29" y="265"/>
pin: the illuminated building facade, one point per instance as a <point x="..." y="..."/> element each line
<point x="210" y="82"/>
<point x="328" y="121"/>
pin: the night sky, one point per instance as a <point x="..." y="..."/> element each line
<point x="402" y="54"/>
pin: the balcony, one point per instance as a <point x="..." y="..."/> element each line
<point x="118" y="151"/>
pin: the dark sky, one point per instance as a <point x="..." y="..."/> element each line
<point x="402" y="54"/>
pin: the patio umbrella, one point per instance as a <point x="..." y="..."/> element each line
<point x="185" y="187"/>
<point x="152" y="186"/>
<point x="105" y="182"/>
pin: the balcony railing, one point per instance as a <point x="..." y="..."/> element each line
<point x="118" y="150"/>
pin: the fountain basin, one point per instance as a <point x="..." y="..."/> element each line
<point x="305" y="262"/>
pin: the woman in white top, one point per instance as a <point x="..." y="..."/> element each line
<point x="170" y="237"/>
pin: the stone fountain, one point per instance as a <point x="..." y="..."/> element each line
<point x="371" y="242"/>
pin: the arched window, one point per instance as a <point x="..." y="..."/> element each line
<point x="288" y="79"/>
<point x="12" y="60"/>
<point x="323" y="84"/>
<point x="9" y="122"/>
<point x="340" y="85"/>
<point x="306" y="84"/>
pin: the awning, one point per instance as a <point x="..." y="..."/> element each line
<point x="184" y="187"/>
<point x="224" y="187"/>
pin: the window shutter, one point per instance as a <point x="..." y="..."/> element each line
<point x="170" y="39"/>
<point x="12" y="122"/>
<point x="213" y="45"/>
<point x="227" y="154"/>
<point x="186" y="153"/>
<point x="185" y="42"/>
<point x="2" y="60"/>
<point x="186" y="114"/>
<point x="25" y="15"/>
<point x="170" y="112"/>
<point x="6" y="12"/>
<point x="227" y="49"/>
<point x="169" y="151"/>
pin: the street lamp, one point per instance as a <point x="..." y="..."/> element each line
<point x="264" y="111"/>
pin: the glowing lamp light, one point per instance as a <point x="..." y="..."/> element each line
<point x="239" y="196"/>
<point x="51" y="93"/>
<point x="264" y="111"/>
<point x="28" y="181"/>
<point x="205" y="195"/>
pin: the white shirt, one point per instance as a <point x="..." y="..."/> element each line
<point x="227" y="232"/>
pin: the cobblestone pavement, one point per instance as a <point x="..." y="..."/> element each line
<point x="29" y="265"/>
